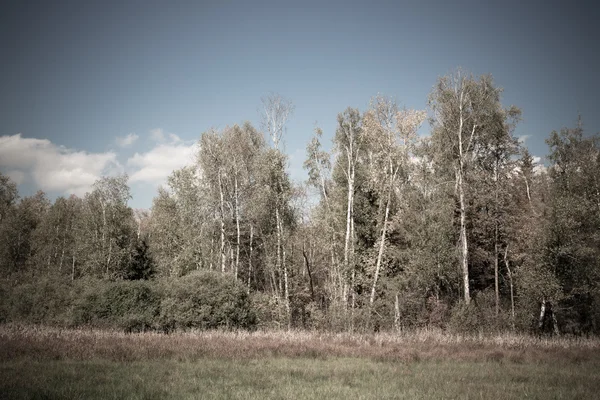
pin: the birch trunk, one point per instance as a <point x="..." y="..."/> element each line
<point x="497" y="291"/>
<point x="381" y="249"/>
<point x="287" y="291"/>
<point x="222" y="206"/>
<point x="250" y="257"/>
<point x="461" y="194"/>
<point x="348" y="219"/>
<point x="278" y="247"/>
<point x="397" y="313"/>
<point x="542" y="315"/>
<point x="237" y="225"/>
<point x="463" y="240"/>
<point x="496" y="288"/>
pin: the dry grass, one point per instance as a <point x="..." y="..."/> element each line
<point x="44" y="343"/>
<point x="39" y="362"/>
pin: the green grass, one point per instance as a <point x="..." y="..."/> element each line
<point x="54" y="364"/>
<point x="300" y="378"/>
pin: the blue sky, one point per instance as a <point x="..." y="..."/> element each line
<point x="77" y="78"/>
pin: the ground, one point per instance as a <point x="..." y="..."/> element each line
<point x="47" y="363"/>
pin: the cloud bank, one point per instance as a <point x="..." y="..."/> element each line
<point x="61" y="170"/>
<point x="126" y="141"/>
<point x="54" y="168"/>
<point x="155" y="165"/>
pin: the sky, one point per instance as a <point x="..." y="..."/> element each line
<point x="101" y="88"/>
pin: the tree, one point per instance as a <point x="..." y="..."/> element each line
<point x="494" y="172"/>
<point x="165" y="237"/>
<point x="318" y="165"/>
<point x="349" y="142"/>
<point x="275" y="113"/>
<point x="106" y="227"/>
<point x="573" y="229"/>
<point x="464" y="110"/>
<point x="243" y="144"/>
<point x="54" y="239"/>
<point x="392" y="135"/>
<point x="212" y="161"/>
<point x="8" y="196"/>
<point x="17" y="231"/>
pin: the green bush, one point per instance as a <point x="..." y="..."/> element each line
<point x="480" y="315"/>
<point x="205" y="300"/>
<point x="45" y="301"/>
<point x="465" y="318"/>
<point x="128" y="305"/>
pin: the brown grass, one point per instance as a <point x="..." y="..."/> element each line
<point x="44" y="343"/>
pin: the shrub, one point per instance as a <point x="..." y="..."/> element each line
<point x="205" y="300"/>
<point x="480" y="315"/>
<point x="46" y="301"/>
<point x="465" y="318"/>
<point x="128" y="305"/>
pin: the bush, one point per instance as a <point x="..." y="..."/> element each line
<point x="205" y="300"/>
<point x="480" y="315"/>
<point x="46" y="301"/>
<point x="465" y="318"/>
<point x="128" y="305"/>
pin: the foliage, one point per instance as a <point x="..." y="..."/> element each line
<point x="390" y="230"/>
<point x="42" y="301"/>
<point x="205" y="300"/>
<point x="128" y="305"/>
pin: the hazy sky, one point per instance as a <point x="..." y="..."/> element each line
<point x="91" y="88"/>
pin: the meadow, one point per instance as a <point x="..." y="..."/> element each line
<point x="53" y="363"/>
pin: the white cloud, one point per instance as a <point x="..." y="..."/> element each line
<point x="158" y="135"/>
<point x="52" y="167"/>
<point x="523" y="138"/>
<point x="128" y="140"/>
<point x="16" y="176"/>
<point x="538" y="165"/>
<point x="157" y="164"/>
<point x="174" y="138"/>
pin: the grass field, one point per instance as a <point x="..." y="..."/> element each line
<point x="44" y="363"/>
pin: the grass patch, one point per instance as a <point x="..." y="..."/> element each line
<point x="48" y="363"/>
<point x="286" y="378"/>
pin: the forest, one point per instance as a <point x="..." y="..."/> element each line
<point x="436" y="218"/>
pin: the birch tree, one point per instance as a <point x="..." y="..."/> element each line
<point x="211" y="159"/>
<point x="460" y="105"/>
<point x="392" y="135"/>
<point x="349" y="142"/>
<point x="243" y="145"/>
<point x="8" y="195"/>
<point x="276" y="111"/>
<point x="497" y="166"/>
<point x="318" y="165"/>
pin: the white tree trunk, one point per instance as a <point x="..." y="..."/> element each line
<point x="463" y="240"/>
<point x="250" y="257"/>
<point x="381" y="249"/>
<point x="222" y="206"/>
<point x="461" y="194"/>
<point x="542" y="314"/>
<point x="397" y="313"/>
<point x="237" y="225"/>
<point x="287" y="291"/>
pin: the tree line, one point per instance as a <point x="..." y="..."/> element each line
<point x="458" y="229"/>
